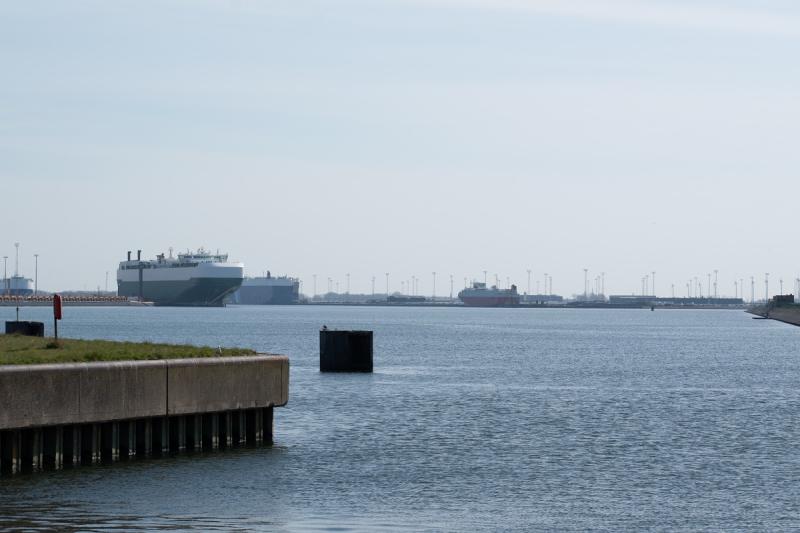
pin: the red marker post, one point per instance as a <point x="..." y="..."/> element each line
<point x="56" y="312"/>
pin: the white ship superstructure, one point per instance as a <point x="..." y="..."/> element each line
<point x="16" y="285"/>
<point x="193" y="278"/>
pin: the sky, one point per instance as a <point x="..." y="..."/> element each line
<point x="405" y="136"/>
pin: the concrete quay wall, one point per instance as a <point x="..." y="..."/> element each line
<point x="790" y="315"/>
<point x="79" y="393"/>
<point x="52" y="416"/>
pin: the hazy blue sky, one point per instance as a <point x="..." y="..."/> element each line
<point x="405" y="136"/>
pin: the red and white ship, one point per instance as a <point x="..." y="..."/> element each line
<point x="479" y="296"/>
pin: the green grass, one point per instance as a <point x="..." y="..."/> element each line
<point x="22" y="350"/>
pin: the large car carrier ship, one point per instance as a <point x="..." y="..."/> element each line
<point x="267" y="290"/>
<point x="192" y="279"/>
<point x="479" y="296"/>
<point x="17" y="286"/>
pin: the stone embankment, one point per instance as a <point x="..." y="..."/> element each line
<point x="58" y="415"/>
<point x="788" y="314"/>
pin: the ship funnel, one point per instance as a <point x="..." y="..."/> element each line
<point x="138" y="255"/>
<point x="129" y="255"/>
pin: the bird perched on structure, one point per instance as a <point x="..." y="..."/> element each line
<point x="324" y="327"/>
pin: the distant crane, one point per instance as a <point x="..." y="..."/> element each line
<point x="716" y="273"/>
<point x="529" y="281"/>
<point x="585" y="283"/>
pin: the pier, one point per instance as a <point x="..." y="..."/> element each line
<point x="59" y="415"/>
<point x="47" y="301"/>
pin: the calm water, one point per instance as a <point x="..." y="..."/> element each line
<point x="475" y="419"/>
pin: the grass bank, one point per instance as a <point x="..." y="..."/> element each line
<point x="22" y="350"/>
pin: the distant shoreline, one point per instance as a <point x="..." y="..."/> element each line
<point x="448" y="305"/>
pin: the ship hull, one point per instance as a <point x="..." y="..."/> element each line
<point x="197" y="292"/>
<point x="489" y="301"/>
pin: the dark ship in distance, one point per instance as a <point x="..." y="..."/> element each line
<point x="267" y="290"/>
<point x="480" y="296"/>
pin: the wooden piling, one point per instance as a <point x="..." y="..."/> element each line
<point x="211" y="430"/>
<point x="162" y="434"/>
<point x="16" y="451"/>
<point x="228" y="429"/>
<point x="90" y="447"/>
<point x="144" y="437"/>
<point x="54" y="447"/>
<point x="268" y="421"/>
<point x="241" y="427"/>
<point x="127" y="439"/>
<point x="74" y="441"/>
<point x="109" y="441"/>
<point x="37" y="449"/>
<point x="258" y="426"/>
<point x="196" y="432"/>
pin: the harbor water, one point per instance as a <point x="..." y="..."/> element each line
<point x="474" y="419"/>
